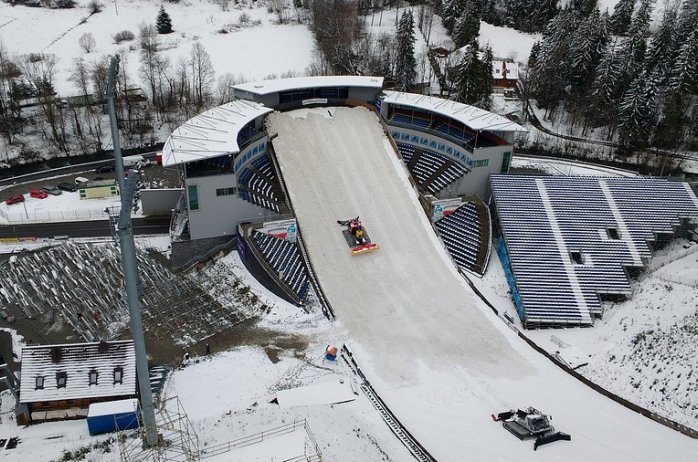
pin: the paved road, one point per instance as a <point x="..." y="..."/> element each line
<point x="96" y="228"/>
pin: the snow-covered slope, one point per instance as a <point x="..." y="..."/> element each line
<point x="439" y="359"/>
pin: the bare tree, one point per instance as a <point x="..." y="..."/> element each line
<point x="223" y="87"/>
<point x="149" y="49"/>
<point x="10" y="114"/>
<point x="40" y="70"/>
<point x="87" y="42"/>
<point x="202" y="73"/>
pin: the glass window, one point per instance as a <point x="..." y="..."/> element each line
<point x="93" y="377"/>
<point x="61" y="379"/>
<point x="193" y="193"/>
<point x="226" y="192"/>
<point x="481" y="163"/>
<point x="506" y="159"/>
<point x="39" y="383"/>
<point x="118" y="375"/>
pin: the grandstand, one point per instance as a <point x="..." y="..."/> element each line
<point x="567" y="243"/>
<point x="258" y="184"/>
<point x="432" y="171"/>
<point x="465" y="232"/>
<point x="283" y="256"/>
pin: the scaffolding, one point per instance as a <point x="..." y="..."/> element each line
<point x="177" y="439"/>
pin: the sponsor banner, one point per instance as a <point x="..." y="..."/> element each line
<point x="282" y="229"/>
<point x="416" y="139"/>
<point x="445" y="207"/>
<point x="314" y="101"/>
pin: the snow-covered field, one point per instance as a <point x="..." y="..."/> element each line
<point x="243" y="50"/>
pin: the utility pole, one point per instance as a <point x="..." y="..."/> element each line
<point x="129" y="264"/>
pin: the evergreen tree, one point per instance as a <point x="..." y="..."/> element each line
<point x="163" y="23"/>
<point x="636" y="114"/>
<point x="405" y="62"/>
<point x="605" y="89"/>
<point x="621" y="17"/>
<point x="583" y="7"/>
<point x="467" y="26"/>
<point x="684" y="73"/>
<point x="486" y="78"/>
<point x="586" y="47"/>
<point x="451" y="11"/>
<point x="467" y="84"/>
<point x="659" y="57"/>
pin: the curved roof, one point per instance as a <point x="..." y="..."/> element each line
<point x="210" y="134"/>
<point x="265" y="87"/>
<point x="475" y="118"/>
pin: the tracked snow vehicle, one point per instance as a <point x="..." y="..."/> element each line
<point x="356" y="236"/>
<point x="530" y="423"/>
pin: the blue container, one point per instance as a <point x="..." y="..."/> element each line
<point x="113" y="416"/>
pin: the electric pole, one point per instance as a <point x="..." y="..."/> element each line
<point x="129" y="264"/>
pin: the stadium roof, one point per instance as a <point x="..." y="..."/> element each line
<point x="471" y="116"/>
<point x="570" y="239"/>
<point x="210" y="134"/>
<point x="266" y="87"/>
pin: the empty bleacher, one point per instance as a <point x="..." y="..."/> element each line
<point x="571" y="240"/>
<point x="257" y="183"/>
<point x="285" y="259"/>
<point x="466" y="236"/>
<point x="432" y="171"/>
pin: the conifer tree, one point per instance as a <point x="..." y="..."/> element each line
<point x="622" y="15"/>
<point x="163" y="23"/>
<point x="467" y="26"/>
<point x="405" y="62"/>
<point x="468" y="75"/>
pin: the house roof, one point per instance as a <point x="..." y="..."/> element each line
<point x="77" y="360"/>
<point x="210" y="134"/>
<point x="266" y="87"/>
<point x="475" y="118"/>
<point x="505" y="70"/>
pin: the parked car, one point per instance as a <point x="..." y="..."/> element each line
<point x="16" y="199"/>
<point x="38" y="194"/>
<point x="67" y="187"/>
<point x="53" y="190"/>
<point x="104" y="169"/>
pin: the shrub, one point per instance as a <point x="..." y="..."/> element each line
<point x="65" y="3"/>
<point x="124" y="36"/>
<point x="94" y="7"/>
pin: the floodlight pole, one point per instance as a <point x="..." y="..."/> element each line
<point x="129" y="265"/>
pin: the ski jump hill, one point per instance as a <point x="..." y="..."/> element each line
<point x="436" y="355"/>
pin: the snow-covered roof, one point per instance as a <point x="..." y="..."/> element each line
<point x="76" y="361"/>
<point x="475" y="118"/>
<point x="505" y="70"/>
<point x="210" y="134"/>
<point x="266" y="87"/>
<point x="120" y="406"/>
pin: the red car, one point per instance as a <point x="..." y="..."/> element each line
<point x="38" y="194"/>
<point x="16" y="199"/>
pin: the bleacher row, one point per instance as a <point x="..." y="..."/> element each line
<point x="546" y="219"/>
<point x="246" y="134"/>
<point x="427" y="166"/>
<point x="461" y="233"/>
<point x="437" y="125"/>
<point x="257" y="184"/>
<point x="284" y="257"/>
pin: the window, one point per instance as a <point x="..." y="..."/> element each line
<point x="506" y="159"/>
<point x="577" y="258"/>
<point x="93" y="377"/>
<point x="61" y="379"/>
<point x="613" y="234"/>
<point x="193" y="193"/>
<point x="481" y="163"/>
<point x="226" y="191"/>
<point x="39" y="383"/>
<point x="118" y="375"/>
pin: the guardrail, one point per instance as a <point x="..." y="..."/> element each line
<point x="257" y="438"/>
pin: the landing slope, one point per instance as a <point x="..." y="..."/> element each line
<point x="441" y="361"/>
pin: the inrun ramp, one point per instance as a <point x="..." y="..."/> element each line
<point x="440" y="359"/>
